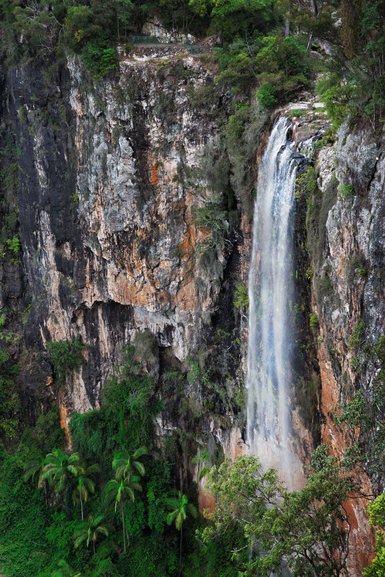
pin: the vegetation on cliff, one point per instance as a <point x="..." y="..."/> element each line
<point x="121" y="501"/>
<point x="110" y="506"/>
<point x="263" y="42"/>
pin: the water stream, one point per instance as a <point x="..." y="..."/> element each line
<point x="271" y="290"/>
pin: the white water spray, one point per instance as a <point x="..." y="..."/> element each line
<point x="271" y="288"/>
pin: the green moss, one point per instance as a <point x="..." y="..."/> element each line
<point x="241" y="297"/>
<point x="325" y="286"/>
<point x="306" y="183"/>
<point x="346" y="191"/>
<point x="318" y="208"/>
<point x="356" y="268"/>
<point x="357" y="338"/>
<point x="313" y="321"/>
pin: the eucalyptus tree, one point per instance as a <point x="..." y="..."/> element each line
<point x="305" y="532"/>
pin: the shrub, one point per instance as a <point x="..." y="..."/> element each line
<point x="278" y="53"/>
<point x="66" y="356"/>
<point x="241" y="297"/>
<point x="296" y="112"/>
<point x="357" y="338"/>
<point x="10" y="406"/>
<point x="356" y="267"/>
<point x="346" y="191"/>
<point x="99" y="60"/>
<point x="13" y="245"/>
<point x="313" y="321"/>
<point x="267" y="96"/>
<point x="354" y="413"/>
<point x="336" y="98"/>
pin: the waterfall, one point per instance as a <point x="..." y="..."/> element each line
<point x="271" y="290"/>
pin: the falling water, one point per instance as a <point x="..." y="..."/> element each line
<point x="269" y="380"/>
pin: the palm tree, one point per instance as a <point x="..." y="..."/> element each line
<point x="180" y="507"/>
<point x="120" y="489"/>
<point x="31" y="469"/>
<point x="90" y="532"/>
<point x="59" y="468"/>
<point x="126" y="465"/>
<point x="128" y="470"/>
<point x="85" y="486"/>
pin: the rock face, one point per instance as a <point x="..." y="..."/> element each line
<point x="120" y="186"/>
<point x="347" y="229"/>
<point x="107" y="211"/>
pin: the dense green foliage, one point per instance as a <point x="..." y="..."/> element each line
<point x="265" y="44"/>
<point x="70" y="522"/>
<point x="376" y="511"/>
<point x="304" y="531"/>
<point x="113" y="505"/>
<point x="354" y="85"/>
<point x="363" y="413"/>
<point x="66" y="356"/>
<point x="9" y="398"/>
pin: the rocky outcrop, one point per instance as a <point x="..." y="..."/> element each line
<point x="116" y="183"/>
<point x="346" y="226"/>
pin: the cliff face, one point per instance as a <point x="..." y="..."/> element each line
<point x="118" y="183"/>
<point x="346" y="227"/>
<point x="119" y="186"/>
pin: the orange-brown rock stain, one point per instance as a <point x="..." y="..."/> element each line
<point x="64" y="419"/>
<point x="154" y="174"/>
<point x="187" y="246"/>
<point x="361" y="536"/>
<point x="233" y="448"/>
<point x="206" y="502"/>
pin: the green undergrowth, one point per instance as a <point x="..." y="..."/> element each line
<point x="47" y="530"/>
<point x="41" y="525"/>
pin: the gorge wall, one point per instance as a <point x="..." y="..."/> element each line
<point x="134" y="229"/>
<point x="120" y="181"/>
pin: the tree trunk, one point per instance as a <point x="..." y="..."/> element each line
<point x="124" y="528"/>
<point x="314" y="7"/>
<point x="287" y="26"/>
<point x="180" y="551"/>
<point x="81" y="507"/>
